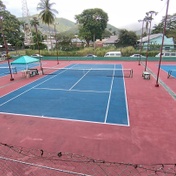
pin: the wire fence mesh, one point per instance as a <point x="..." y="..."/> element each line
<point x="20" y="161"/>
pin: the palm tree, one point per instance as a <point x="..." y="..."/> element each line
<point x="34" y="22"/>
<point x="47" y="13"/>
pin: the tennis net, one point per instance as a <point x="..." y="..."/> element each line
<point x="114" y="72"/>
<point x="171" y="73"/>
<point x="6" y="70"/>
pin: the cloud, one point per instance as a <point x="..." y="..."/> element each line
<point x="120" y="13"/>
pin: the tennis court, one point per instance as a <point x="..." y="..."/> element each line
<point x="147" y="139"/>
<point x="170" y="69"/>
<point x="4" y="68"/>
<point x="83" y="92"/>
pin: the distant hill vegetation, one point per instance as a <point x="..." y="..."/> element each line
<point x="64" y="26"/>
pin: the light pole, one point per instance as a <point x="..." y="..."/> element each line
<point x="149" y="19"/>
<point x="161" y="49"/>
<point x="139" y="61"/>
<point x="6" y="48"/>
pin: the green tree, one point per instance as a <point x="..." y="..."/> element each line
<point x="92" y="24"/>
<point x="127" y="38"/>
<point x="170" y="26"/>
<point x="11" y="29"/>
<point x="157" y="28"/>
<point x="34" y="22"/>
<point x="107" y="34"/>
<point x="64" y="43"/>
<point x="47" y="13"/>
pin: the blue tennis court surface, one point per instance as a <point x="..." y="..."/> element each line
<point x="168" y="68"/>
<point x="83" y="95"/>
<point x="4" y="68"/>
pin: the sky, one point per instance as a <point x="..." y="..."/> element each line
<point x="121" y="13"/>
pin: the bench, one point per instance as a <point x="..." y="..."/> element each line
<point x="146" y="75"/>
<point x="30" y="72"/>
<point x="33" y="72"/>
<point x="2" y="58"/>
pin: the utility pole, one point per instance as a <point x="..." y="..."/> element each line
<point x="161" y="49"/>
<point x="139" y="61"/>
<point x="149" y="19"/>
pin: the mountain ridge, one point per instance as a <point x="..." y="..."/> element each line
<point x="63" y="25"/>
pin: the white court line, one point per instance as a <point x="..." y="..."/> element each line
<point x="65" y="119"/>
<point x="109" y="98"/>
<point x="91" y="91"/>
<point x="32" y="88"/>
<point x="80" y="79"/>
<point x="74" y="90"/>
<point x="16" y="96"/>
<point x="28" y="90"/>
<point x="126" y="103"/>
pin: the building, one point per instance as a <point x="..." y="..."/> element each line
<point x="111" y="41"/>
<point x="156" y="41"/>
<point x="78" y="42"/>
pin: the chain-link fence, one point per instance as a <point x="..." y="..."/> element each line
<point x="20" y="161"/>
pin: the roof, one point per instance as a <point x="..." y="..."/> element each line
<point x="157" y="39"/>
<point x="77" y="40"/>
<point x="25" y="60"/>
<point x="152" y="36"/>
<point x="113" y="39"/>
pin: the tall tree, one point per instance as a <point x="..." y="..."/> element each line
<point x="127" y="38"/>
<point x="11" y="28"/>
<point x="170" y="26"/>
<point x="34" y="22"/>
<point x="92" y="24"/>
<point x="47" y="13"/>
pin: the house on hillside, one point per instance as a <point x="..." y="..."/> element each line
<point x="156" y="40"/>
<point x="111" y="41"/>
<point x="78" y="42"/>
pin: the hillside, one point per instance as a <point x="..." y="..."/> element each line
<point x="63" y="25"/>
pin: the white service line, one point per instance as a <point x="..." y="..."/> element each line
<point x="80" y="79"/>
<point x="73" y="90"/>
<point x="28" y="90"/>
<point x="109" y="99"/>
<point x="31" y="88"/>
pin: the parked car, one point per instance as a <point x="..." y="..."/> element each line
<point x="90" y="55"/>
<point x="3" y="54"/>
<point x="137" y="56"/>
<point x="167" y="54"/>
<point x="113" y="54"/>
<point x="36" y="55"/>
